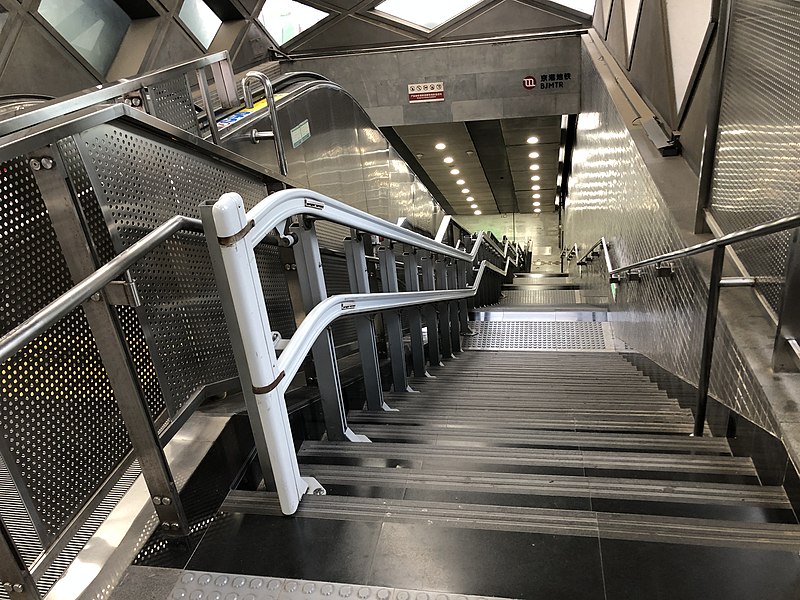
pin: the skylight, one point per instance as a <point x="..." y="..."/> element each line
<point x="286" y="19"/>
<point x="425" y="13"/>
<point x="584" y="6"/>
<point x="201" y="20"/>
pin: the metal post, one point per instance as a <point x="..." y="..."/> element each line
<point x="250" y="322"/>
<point x="444" y="322"/>
<point x="708" y="340"/>
<point x="312" y="286"/>
<point x="392" y="322"/>
<point x="430" y="312"/>
<point x="462" y="276"/>
<point x="786" y="354"/>
<point x="365" y="326"/>
<point x="455" y="323"/>
<point x="202" y="81"/>
<point x="114" y="352"/>
<point x="415" y="315"/>
<point x="15" y="578"/>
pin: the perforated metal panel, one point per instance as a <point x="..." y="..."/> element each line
<point x="103" y="247"/>
<point x="58" y="417"/>
<point x="535" y="335"/>
<point x="172" y="102"/>
<point x="143" y="182"/>
<point x="337" y="281"/>
<point x="757" y="168"/>
<point x="539" y="297"/>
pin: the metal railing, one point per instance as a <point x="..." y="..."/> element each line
<point x="275" y="134"/>
<point x="665" y="268"/>
<point x="130" y="91"/>
<point x="233" y="233"/>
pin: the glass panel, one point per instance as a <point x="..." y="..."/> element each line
<point x="3" y="17"/>
<point x="425" y="13"/>
<point x="286" y="19"/>
<point x="687" y="21"/>
<point x="95" y="28"/>
<point x="201" y="21"/>
<point x="584" y="6"/>
<point x="631" y="21"/>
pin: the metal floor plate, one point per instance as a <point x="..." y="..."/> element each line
<point x="216" y="586"/>
<point x="540" y="297"/>
<point x="538" y="335"/>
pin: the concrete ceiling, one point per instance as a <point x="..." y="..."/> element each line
<point x="493" y="159"/>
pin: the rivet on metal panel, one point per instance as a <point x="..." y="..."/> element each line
<point x="47" y="162"/>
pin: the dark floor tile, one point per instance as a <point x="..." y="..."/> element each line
<point x="490" y="563"/>
<point x="317" y="549"/>
<point x="725" y="512"/>
<point x="673" y="476"/>
<point x="493" y="499"/>
<point x="639" y="570"/>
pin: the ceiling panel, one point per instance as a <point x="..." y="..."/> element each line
<point x="507" y="158"/>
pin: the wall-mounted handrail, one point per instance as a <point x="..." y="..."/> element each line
<point x="232" y="234"/>
<point x="48" y="316"/>
<point x="776" y="226"/>
<point x="110" y="91"/>
<point x="603" y="245"/>
<point x="273" y="113"/>
<point x="718" y="246"/>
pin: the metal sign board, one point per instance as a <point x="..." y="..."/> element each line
<point x="426" y="92"/>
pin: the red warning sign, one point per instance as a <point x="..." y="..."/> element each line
<point x="426" y="92"/>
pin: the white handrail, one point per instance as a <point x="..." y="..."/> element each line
<point x="237" y="233"/>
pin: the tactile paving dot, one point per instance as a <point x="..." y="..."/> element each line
<point x="226" y="586"/>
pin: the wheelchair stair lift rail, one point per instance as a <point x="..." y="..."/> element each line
<point x="232" y="235"/>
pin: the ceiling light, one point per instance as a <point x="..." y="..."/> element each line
<point x="470" y="199"/>
<point x="460" y="182"/>
<point x="477" y="212"/>
<point x="448" y="160"/>
<point x="419" y="155"/>
<point x="465" y="191"/>
<point x="537" y="210"/>
<point x="537" y="203"/>
<point x="535" y="178"/>
<point x="537" y="196"/>
<point x="536" y="187"/>
<point x="535" y="167"/>
<point x="533" y="155"/>
<point x="440" y="146"/>
<point x="533" y="140"/>
<point x="473" y="206"/>
<point x="454" y="171"/>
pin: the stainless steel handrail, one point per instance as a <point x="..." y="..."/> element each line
<point x="776" y="226"/>
<point x="48" y="316"/>
<point x="718" y="245"/>
<point x="604" y="245"/>
<point x="105" y="93"/>
<point x="273" y="113"/>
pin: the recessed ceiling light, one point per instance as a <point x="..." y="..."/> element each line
<point x="454" y="171"/>
<point x="473" y="206"/>
<point x="460" y="182"/>
<point x="537" y="196"/>
<point x="440" y="146"/>
<point x="537" y="203"/>
<point x="535" y="178"/>
<point x="533" y="155"/>
<point x="477" y="212"/>
<point x="419" y="155"/>
<point x="465" y="191"/>
<point x="470" y="199"/>
<point x="448" y="160"/>
<point x="535" y="167"/>
<point x="536" y="187"/>
<point x="537" y="210"/>
<point x="533" y="140"/>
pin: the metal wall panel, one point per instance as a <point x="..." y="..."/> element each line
<point x="612" y="194"/>
<point x="142" y="182"/>
<point x="61" y="427"/>
<point x="757" y="168"/>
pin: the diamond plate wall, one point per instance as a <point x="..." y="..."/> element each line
<point x="613" y="195"/>
<point x="757" y="167"/>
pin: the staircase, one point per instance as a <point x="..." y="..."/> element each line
<point x="521" y="474"/>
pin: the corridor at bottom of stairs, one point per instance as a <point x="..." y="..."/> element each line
<point x="552" y="475"/>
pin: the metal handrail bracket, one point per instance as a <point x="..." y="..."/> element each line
<point x="233" y="234"/>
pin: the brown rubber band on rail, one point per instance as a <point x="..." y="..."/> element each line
<point x="232" y="239"/>
<point x="268" y="388"/>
